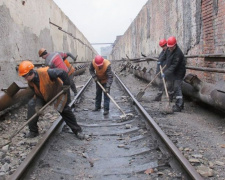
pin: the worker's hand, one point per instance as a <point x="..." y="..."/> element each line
<point x="158" y="62"/>
<point x="163" y="75"/>
<point x="65" y="88"/>
<point x="107" y="89"/>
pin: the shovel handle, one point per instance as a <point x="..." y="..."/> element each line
<point x="164" y="82"/>
<point x="153" y="78"/>
<point x="29" y="120"/>
<point x="110" y="97"/>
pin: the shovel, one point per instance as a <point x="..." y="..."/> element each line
<point x="29" y="120"/>
<point x="142" y="92"/>
<point x="168" y="109"/>
<point x="124" y="116"/>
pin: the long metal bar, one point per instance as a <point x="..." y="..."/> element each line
<point x="206" y="69"/>
<point x="184" y="162"/>
<point x="205" y="55"/>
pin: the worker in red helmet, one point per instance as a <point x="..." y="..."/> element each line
<point x="175" y="71"/>
<point x="46" y="84"/>
<point x="162" y="61"/>
<point x="100" y="70"/>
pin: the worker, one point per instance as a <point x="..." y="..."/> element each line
<point x="55" y="60"/>
<point x="176" y="71"/>
<point x="100" y="70"/>
<point x="46" y="84"/>
<point x="162" y="61"/>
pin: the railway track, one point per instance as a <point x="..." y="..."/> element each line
<point x="116" y="149"/>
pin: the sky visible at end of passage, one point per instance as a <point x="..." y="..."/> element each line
<point x="101" y="21"/>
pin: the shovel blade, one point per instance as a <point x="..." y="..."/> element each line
<point x="167" y="109"/>
<point x="139" y="95"/>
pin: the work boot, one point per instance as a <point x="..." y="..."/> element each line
<point x="171" y="97"/>
<point x="96" y="109"/>
<point x="106" y="112"/>
<point x="176" y="108"/>
<point x="158" y="97"/>
<point x="80" y="135"/>
<point x="31" y="134"/>
<point x="179" y="105"/>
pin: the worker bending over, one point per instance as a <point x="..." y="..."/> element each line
<point x="46" y="84"/>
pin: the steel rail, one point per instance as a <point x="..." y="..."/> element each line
<point x="34" y="152"/>
<point x="184" y="162"/>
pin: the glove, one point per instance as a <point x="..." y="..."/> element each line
<point x="65" y="88"/>
<point x="107" y="89"/>
<point x="158" y="62"/>
<point x="163" y="75"/>
<point x="95" y="78"/>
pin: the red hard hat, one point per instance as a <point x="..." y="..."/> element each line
<point x="99" y="60"/>
<point x="162" y="42"/>
<point x="171" y="41"/>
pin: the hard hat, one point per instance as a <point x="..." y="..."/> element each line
<point x="99" y="60"/>
<point x="171" y="41"/>
<point x="41" y="51"/>
<point x="25" y="67"/>
<point x="162" y="42"/>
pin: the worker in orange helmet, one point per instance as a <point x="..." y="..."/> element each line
<point x="59" y="60"/>
<point x="46" y="84"/>
<point x="162" y="61"/>
<point x="176" y="69"/>
<point x="100" y="70"/>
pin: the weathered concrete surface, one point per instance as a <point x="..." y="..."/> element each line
<point x="197" y="25"/>
<point x="25" y="28"/>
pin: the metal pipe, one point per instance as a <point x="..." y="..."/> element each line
<point x="206" y="69"/>
<point x="7" y="100"/>
<point x="205" y="55"/>
<point x="211" y="94"/>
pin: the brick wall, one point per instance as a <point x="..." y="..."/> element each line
<point x="198" y="25"/>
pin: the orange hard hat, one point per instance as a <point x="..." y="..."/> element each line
<point x="162" y="42"/>
<point x="25" y="67"/>
<point x="171" y="41"/>
<point x="40" y="52"/>
<point x="99" y="60"/>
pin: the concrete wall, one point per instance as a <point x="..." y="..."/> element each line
<point x="198" y="25"/>
<point x="25" y="28"/>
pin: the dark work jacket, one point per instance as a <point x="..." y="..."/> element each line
<point x="175" y="64"/>
<point x="162" y="59"/>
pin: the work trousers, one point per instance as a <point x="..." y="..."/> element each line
<point x="178" y="93"/>
<point x="98" y="98"/>
<point x="169" y="85"/>
<point x="35" y="104"/>
<point x="72" y="84"/>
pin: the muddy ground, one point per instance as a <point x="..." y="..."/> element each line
<point x="198" y="131"/>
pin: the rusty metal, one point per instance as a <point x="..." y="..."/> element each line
<point x="16" y="92"/>
<point x="205" y="56"/>
<point x="70" y="34"/>
<point x="211" y="94"/>
<point x="206" y="69"/>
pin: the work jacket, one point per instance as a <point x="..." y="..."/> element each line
<point x="54" y="60"/>
<point x="48" y="88"/>
<point x="70" y="67"/>
<point x="175" y="63"/>
<point x="101" y="73"/>
<point x="162" y="59"/>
